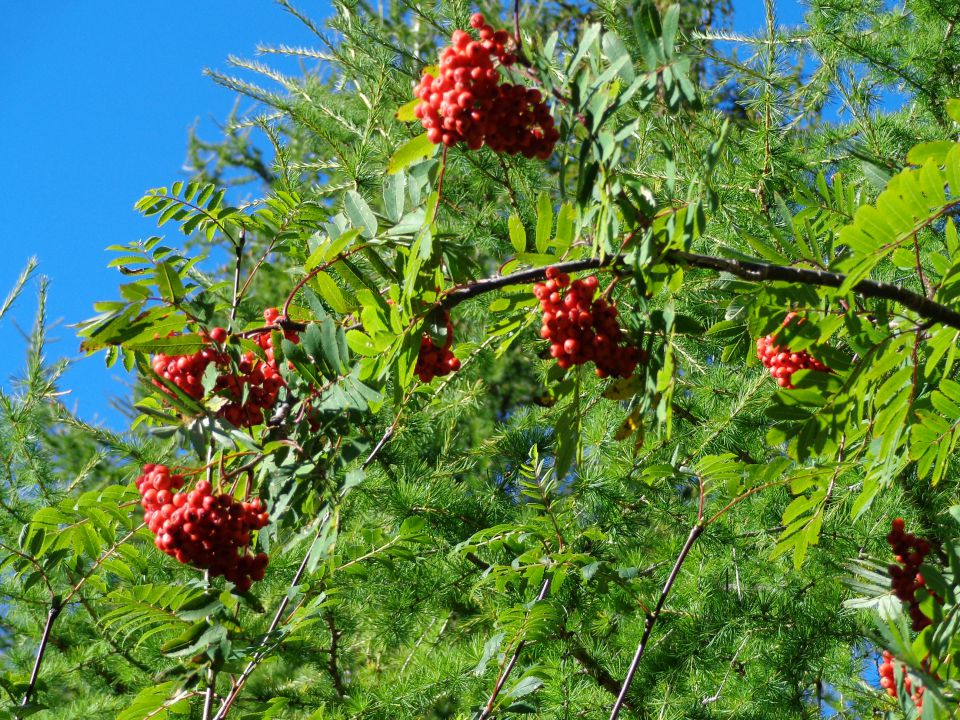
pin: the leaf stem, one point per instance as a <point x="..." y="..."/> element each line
<point x="309" y="276"/>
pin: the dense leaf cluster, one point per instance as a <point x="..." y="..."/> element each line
<point x="502" y="540"/>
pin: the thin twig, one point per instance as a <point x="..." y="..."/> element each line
<point x="652" y="617"/>
<point x="516" y="27"/>
<point x="211" y="673"/>
<point x="261" y="651"/>
<point x="308" y="277"/>
<point x="209" y="693"/>
<point x="388" y="433"/>
<point x="55" y="607"/>
<point x="99" y="561"/>
<point x="238" y="264"/>
<point x="505" y="672"/>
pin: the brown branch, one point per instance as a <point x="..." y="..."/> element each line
<point x="261" y="651"/>
<point x="332" y="667"/>
<point x="759" y="272"/>
<point x="505" y="672"/>
<point x="516" y="27"/>
<point x="652" y="617"/>
<point x="238" y="265"/>
<point x="749" y="270"/>
<point x="55" y="608"/>
<point x="599" y="673"/>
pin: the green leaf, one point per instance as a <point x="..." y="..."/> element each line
<point x="175" y="345"/>
<point x="518" y="235"/>
<point x="525" y="686"/>
<point x="544" y="222"/>
<point x="565" y="221"/>
<point x="329" y="346"/>
<point x="415" y="150"/>
<point x="360" y="213"/>
<point x="937" y="151"/>
<point x="331" y="293"/>
<point x="149" y="702"/>
<point x="394" y="194"/>
<point x="168" y="282"/>
<point x="671" y="20"/>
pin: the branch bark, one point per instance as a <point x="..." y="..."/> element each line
<point x="261" y="652"/>
<point x="505" y="673"/>
<point x="599" y="673"/>
<point x="745" y="269"/>
<point x="56" y="606"/>
<point x="332" y="666"/>
<point x="652" y="617"/>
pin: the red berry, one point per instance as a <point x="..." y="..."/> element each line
<point x="783" y="362"/>
<point x="436" y="361"/>
<point x="581" y="329"/>
<point x="466" y="102"/>
<point x="215" y="538"/>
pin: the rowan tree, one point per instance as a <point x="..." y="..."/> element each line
<point x="567" y="360"/>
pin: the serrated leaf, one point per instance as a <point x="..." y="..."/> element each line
<point x="168" y="282"/>
<point x="544" y="222"/>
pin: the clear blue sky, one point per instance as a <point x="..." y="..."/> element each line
<point x="98" y="97"/>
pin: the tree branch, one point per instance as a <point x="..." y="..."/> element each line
<point x="759" y="272"/>
<point x="652" y="617"/>
<point x="745" y="269"/>
<point x="505" y="673"/>
<point x="55" y="607"/>
<point x="599" y="673"/>
<point x="261" y="652"/>
<point x="332" y="667"/>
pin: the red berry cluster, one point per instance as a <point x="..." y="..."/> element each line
<point x="186" y="371"/>
<point x="211" y="532"/>
<point x="250" y="391"/>
<point x="467" y="103"/>
<point x="888" y="680"/>
<point x="581" y="329"/>
<point x="905" y="578"/>
<point x="782" y="362"/>
<point x="436" y="361"/>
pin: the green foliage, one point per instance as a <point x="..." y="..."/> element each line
<point x="499" y="542"/>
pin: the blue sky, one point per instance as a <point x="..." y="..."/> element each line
<point x="98" y="100"/>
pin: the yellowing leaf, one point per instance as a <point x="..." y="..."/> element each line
<point x="419" y="148"/>
<point x="405" y="112"/>
<point x="629" y="426"/>
<point x="624" y="389"/>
